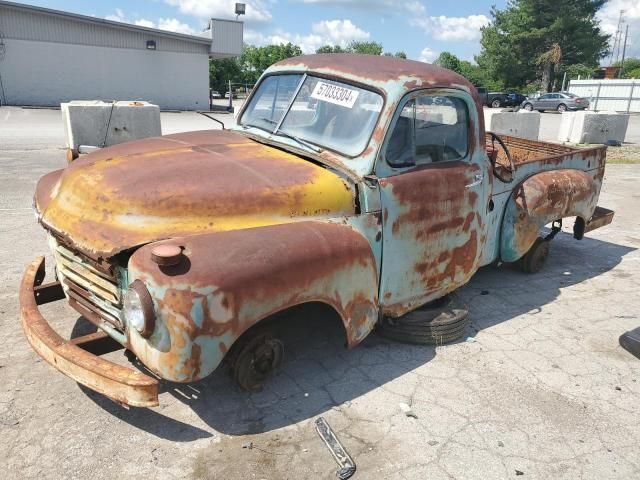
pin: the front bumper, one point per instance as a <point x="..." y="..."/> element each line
<point x="74" y="357"/>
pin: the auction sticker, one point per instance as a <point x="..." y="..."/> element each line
<point x="328" y="92"/>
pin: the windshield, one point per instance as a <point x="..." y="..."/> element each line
<point x="313" y="110"/>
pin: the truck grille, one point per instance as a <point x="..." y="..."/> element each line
<point x="92" y="292"/>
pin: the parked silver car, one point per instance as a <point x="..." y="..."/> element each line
<point x="560" y="101"/>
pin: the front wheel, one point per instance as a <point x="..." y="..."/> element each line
<point x="496" y="103"/>
<point x="528" y="107"/>
<point x="562" y="108"/>
<point x="256" y="359"/>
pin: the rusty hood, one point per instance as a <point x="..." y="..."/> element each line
<point x="183" y="184"/>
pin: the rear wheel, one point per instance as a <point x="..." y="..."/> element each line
<point x="528" y="107"/>
<point x="562" y="108"/>
<point x="535" y="258"/>
<point x="496" y="103"/>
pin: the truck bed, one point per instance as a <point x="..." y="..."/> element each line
<point x="532" y="156"/>
<point x="524" y="150"/>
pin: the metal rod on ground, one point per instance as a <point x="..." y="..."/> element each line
<point x="344" y="460"/>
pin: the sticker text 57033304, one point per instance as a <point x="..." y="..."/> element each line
<point x="339" y="95"/>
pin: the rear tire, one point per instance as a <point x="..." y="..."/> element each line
<point x="496" y="103"/>
<point x="562" y="108"/>
<point x="528" y="107"/>
<point x="535" y="258"/>
<point x="433" y="324"/>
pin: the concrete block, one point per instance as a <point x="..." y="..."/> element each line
<point x="521" y="124"/>
<point x="100" y="124"/>
<point x="593" y="127"/>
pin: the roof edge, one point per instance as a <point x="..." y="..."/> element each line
<point x="108" y="23"/>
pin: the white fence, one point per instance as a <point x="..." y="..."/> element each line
<point x="615" y="95"/>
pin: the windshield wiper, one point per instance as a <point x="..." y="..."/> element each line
<point x="299" y="140"/>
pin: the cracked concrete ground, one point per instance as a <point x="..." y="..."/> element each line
<point x="544" y="389"/>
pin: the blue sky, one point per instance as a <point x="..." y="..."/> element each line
<point x="421" y="28"/>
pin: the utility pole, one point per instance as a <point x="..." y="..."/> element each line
<point x="616" y="39"/>
<point x="624" y="50"/>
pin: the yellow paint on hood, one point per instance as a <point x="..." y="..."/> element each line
<point x="139" y="192"/>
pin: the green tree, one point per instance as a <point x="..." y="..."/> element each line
<point x="635" y="73"/>
<point x="630" y="65"/>
<point x="255" y="60"/>
<point x="331" y="49"/>
<point x="369" y="48"/>
<point x="449" y="61"/>
<point x="222" y="71"/>
<point x="533" y="40"/>
<point x="400" y="55"/>
<point x="578" y="70"/>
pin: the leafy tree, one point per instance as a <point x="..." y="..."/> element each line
<point x="223" y="70"/>
<point x="400" y="55"/>
<point x="369" y="48"/>
<point x="630" y="64"/>
<point x="578" y="70"/>
<point x="255" y="60"/>
<point x="449" y="61"/>
<point x="534" y="40"/>
<point x="635" y="73"/>
<point x="331" y="49"/>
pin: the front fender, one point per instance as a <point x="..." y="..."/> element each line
<point x="227" y="282"/>
<point x="543" y="198"/>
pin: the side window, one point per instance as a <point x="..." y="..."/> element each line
<point x="545" y="97"/>
<point x="429" y="129"/>
<point x="400" y="149"/>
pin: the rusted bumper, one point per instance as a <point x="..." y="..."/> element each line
<point x="117" y="382"/>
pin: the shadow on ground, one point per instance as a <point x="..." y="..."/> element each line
<point x="318" y="372"/>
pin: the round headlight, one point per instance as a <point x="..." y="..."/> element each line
<point x="138" y="309"/>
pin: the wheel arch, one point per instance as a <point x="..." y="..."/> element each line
<point x="541" y="199"/>
<point x="229" y="281"/>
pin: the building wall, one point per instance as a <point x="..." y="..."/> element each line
<point x="46" y="73"/>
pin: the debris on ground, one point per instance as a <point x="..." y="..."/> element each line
<point x="406" y="409"/>
<point x="518" y="472"/>
<point x="471" y="339"/>
<point x="248" y="445"/>
<point x="344" y="460"/>
<point x="500" y="443"/>
<point x="433" y="443"/>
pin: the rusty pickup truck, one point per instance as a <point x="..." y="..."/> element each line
<point x="361" y="183"/>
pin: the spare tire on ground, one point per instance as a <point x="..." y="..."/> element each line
<point x="435" y="323"/>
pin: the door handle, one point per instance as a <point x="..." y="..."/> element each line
<point x="477" y="181"/>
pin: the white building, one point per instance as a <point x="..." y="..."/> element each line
<point x="48" y="57"/>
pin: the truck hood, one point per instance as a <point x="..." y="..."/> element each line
<point x="177" y="185"/>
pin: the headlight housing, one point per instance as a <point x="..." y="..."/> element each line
<point x="138" y="309"/>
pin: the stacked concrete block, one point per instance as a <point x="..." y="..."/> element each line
<point x="100" y="124"/>
<point x="593" y="127"/>
<point x="521" y="124"/>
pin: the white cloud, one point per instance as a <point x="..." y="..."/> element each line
<point x="256" y="10"/>
<point x="144" y="23"/>
<point x="169" y="24"/>
<point x="325" y="32"/>
<point x="452" y="28"/>
<point x="609" y="15"/>
<point x="427" y="55"/>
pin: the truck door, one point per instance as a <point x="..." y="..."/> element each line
<point x="434" y="187"/>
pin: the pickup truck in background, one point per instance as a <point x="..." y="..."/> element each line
<point x="366" y="185"/>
